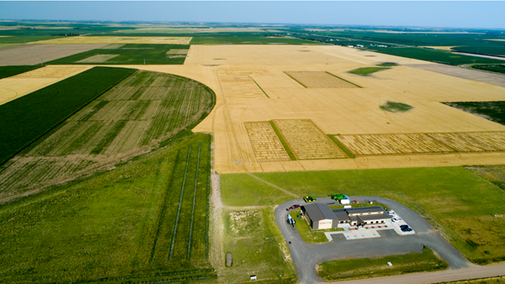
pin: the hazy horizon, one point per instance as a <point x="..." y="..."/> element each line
<point x="453" y="14"/>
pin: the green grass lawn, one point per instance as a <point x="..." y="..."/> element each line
<point x="453" y="199"/>
<point x="367" y="71"/>
<point x="116" y="226"/>
<point x="351" y="269"/>
<point x="257" y="247"/>
<point x="309" y="235"/>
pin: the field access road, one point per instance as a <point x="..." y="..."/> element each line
<point x="306" y="256"/>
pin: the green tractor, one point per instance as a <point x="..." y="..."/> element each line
<point x="309" y="199"/>
<point x="337" y="196"/>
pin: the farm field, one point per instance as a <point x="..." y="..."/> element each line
<point x="126" y="54"/>
<point x="128" y="224"/>
<point x="498" y="68"/>
<point x="244" y="74"/>
<point x="132" y="118"/>
<point x="319" y="79"/>
<point x="444" y="195"/>
<point x="351" y="269"/>
<point x="257" y="247"/>
<point x="7" y="71"/>
<point x="26" y="54"/>
<point x="31" y="116"/>
<point x="116" y="39"/>
<point x="494" y="111"/>
<point x="266" y="144"/>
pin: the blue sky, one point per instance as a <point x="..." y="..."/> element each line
<point x="464" y="14"/>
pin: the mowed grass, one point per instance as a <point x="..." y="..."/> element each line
<point x="367" y="71"/>
<point x="453" y="199"/>
<point x="7" y="71"/>
<point x="309" y="235"/>
<point x="116" y="226"/>
<point x="129" y="54"/>
<point x="257" y="247"/>
<point x="351" y="269"/>
<point x="27" y="118"/>
<point x="135" y="116"/>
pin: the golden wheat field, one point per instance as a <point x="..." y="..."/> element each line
<point x="116" y="39"/>
<point x="251" y="85"/>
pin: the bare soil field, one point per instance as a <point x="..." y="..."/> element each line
<point x="29" y="54"/>
<point x="116" y="39"/>
<point x="130" y="119"/>
<point x="99" y="58"/>
<point x="17" y="86"/>
<point x="318" y="79"/>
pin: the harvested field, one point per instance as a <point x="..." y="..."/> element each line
<point x="131" y="118"/>
<point x="318" y="79"/>
<point x="36" y="54"/>
<point x="56" y="72"/>
<point x="266" y="145"/>
<point x="306" y="140"/>
<point x="177" y="52"/>
<point x="240" y="86"/>
<point x="99" y="58"/>
<point x="116" y="39"/>
<point x="113" y="46"/>
<point x="425" y="143"/>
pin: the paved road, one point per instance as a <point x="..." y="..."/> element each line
<point x="306" y="256"/>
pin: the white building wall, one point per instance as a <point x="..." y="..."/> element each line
<point x="325" y="224"/>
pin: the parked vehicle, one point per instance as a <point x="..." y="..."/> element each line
<point x="309" y="199"/>
<point x="293" y="207"/>
<point x="355" y="202"/>
<point x="394" y="220"/>
<point x="405" y="228"/>
<point x="392" y="213"/>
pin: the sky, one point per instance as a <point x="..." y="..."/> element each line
<point x="453" y="14"/>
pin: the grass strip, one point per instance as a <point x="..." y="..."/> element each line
<point x="194" y="200"/>
<point x="284" y="143"/>
<point x="350" y="269"/>
<point x="295" y="80"/>
<point x="259" y="87"/>
<point x="163" y="209"/>
<point x="309" y="235"/>
<point x="180" y="203"/>
<point x="344" y="79"/>
<point x="341" y="146"/>
<point x="367" y="71"/>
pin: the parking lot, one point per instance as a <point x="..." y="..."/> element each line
<point x="361" y="243"/>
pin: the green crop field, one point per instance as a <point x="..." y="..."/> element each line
<point x="7" y="71"/>
<point x="129" y="54"/>
<point x="351" y="269"/>
<point x="257" y="247"/>
<point x="127" y="224"/>
<point x="367" y="71"/>
<point x="438" y="56"/>
<point x="27" y="118"/>
<point x="134" y="117"/>
<point x="498" y="68"/>
<point x="494" y="110"/>
<point x="497" y="49"/>
<point x="454" y="199"/>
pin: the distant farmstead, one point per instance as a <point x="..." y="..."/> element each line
<point x="321" y="216"/>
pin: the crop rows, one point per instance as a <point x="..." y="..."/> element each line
<point x="318" y="79"/>
<point x="266" y="145"/>
<point x="390" y="144"/>
<point x="133" y="116"/>
<point x="240" y="86"/>
<point x="306" y="140"/>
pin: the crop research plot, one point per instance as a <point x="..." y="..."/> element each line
<point x="319" y="79"/>
<point x="267" y="146"/>
<point x="131" y="118"/>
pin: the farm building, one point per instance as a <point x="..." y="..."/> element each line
<point x="320" y="216"/>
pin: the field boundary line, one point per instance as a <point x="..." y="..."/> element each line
<point x="272" y="185"/>
<point x="295" y="79"/>
<point x="341" y="146"/>
<point x="259" y="87"/>
<point x="161" y="215"/>
<point x="194" y="200"/>
<point x="283" y="141"/>
<point x="180" y="203"/>
<point x="343" y="79"/>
